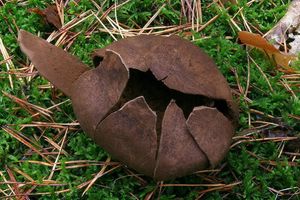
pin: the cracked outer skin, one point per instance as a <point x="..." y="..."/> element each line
<point x="178" y="152"/>
<point x="133" y="129"/>
<point x="129" y="133"/>
<point x="181" y="66"/>
<point x="90" y="101"/>
<point x="212" y="132"/>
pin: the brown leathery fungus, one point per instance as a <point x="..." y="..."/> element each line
<point x="157" y="104"/>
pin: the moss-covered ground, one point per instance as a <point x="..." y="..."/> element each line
<point x="263" y="162"/>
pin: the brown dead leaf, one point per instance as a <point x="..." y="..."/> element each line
<point x="50" y="15"/>
<point x="257" y="41"/>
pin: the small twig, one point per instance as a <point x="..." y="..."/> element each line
<point x="100" y="173"/>
<point x="152" y="18"/>
<point x="263" y="74"/>
<point x="59" y="152"/>
<point x="14" y="134"/>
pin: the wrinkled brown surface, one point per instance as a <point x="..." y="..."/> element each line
<point x="159" y="105"/>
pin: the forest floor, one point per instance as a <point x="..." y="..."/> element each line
<point x="45" y="154"/>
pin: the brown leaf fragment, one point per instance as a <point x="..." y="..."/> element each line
<point x="212" y="132"/>
<point x="55" y="64"/>
<point x="129" y="134"/>
<point x="257" y="41"/>
<point x="50" y="14"/>
<point x="279" y="131"/>
<point x="178" y="153"/>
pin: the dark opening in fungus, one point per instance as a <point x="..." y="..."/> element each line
<point x="157" y="104"/>
<point x="158" y="96"/>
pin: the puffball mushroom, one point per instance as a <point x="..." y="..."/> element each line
<point x="157" y="104"/>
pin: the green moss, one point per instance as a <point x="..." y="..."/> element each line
<point x="219" y="40"/>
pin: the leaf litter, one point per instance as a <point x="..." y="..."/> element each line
<point x="282" y="43"/>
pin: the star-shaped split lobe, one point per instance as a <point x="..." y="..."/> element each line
<point x="151" y="114"/>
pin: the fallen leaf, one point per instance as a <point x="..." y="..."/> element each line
<point x="257" y="41"/>
<point x="286" y="33"/>
<point x="50" y="14"/>
<point x="281" y="59"/>
<point x="280" y="131"/>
